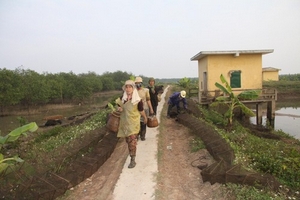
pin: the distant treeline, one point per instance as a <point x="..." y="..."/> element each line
<point x="27" y="87"/>
<point x="289" y="83"/>
<point x="174" y="80"/>
<point x="289" y="77"/>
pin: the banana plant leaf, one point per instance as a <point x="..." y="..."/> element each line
<point x="221" y="87"/>
<point x="216" y="103"/>
<point x="226" y="83"/>
<point x="222" y="98"/>
<point x="16" y="133"/>
<point x="249" y="95"/>
<point x="246" y="110"/>
<point x="111" y="107"/>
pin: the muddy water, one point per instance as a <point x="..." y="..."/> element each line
<point x="287" y="119"/>
<point x="9" y="123"/>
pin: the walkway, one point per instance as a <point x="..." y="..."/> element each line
<point x="140" y="182"/>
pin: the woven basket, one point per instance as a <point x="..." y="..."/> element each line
<point x="113" y="122"/>
<point x="152" y="122"/>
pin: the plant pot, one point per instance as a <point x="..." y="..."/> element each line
<point x="113" y="121"/>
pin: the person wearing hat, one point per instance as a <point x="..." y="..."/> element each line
<point x="131" y="107"/>
<point x="145" y="96"/>
<point x="175" y="99"/>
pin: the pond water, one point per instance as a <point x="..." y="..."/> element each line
<point x="287" y="119"/>
<point x="9" y="123"/>
<point x="287" y="116"/>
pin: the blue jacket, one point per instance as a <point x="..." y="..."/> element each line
<point x="175" y="99"/>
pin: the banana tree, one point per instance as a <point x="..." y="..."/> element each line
<point x="184" y="83"/>
<point x="11" y="137"/>
<point x="233" y="101"/>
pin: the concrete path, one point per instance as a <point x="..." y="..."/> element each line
<point x="140" y="182"/>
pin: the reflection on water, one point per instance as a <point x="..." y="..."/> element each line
<point x="286" y="119"/>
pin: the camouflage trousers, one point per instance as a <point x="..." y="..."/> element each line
<point x="131" y="142"/>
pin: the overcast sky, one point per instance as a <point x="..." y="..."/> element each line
<point x="144" y="37"/>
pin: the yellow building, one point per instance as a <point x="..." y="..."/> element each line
<point x="270" y="74"/>
<point x="241" y="68"/>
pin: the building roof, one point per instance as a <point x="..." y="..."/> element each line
<point x="270" y="69"/>
<point x="235" y="53"/>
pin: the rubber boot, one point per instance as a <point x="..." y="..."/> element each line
<point x="143" y="132"/>
<point x="138" y="136"/>
<point x="132" y="162"/>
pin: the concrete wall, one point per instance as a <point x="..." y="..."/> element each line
<point x="270" y="75"/>
<point x="250" y="66"/>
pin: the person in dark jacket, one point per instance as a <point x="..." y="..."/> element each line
<point x="175" y="99"/>
<point x="153" y="94"/>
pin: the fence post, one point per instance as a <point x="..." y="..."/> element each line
<point x="271" y="112"/>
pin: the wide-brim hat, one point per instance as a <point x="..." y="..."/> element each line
<point x="138" y="79"/>
<point x="129" y="82"/>
<point x="183" y="94"/>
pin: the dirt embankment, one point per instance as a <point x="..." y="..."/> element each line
<point x="288" y="96"/>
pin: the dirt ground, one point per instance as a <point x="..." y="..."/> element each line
<point x="179" y="176"/>
<point x="178" y="173"/>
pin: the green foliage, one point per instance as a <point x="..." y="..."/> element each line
<point x="54" y="139"/>
<point x="276" y="157"/>
<point x="242" y="192"/>
<point x="197" y="144"/>
<point x="283" y="86"/>
<point x="93" y="82"/>
<point x="213" y="117"/>
<point x="10" y="88"/>
<point x="184" y="83"/>
<point x="231" y="100"/>
<point x="267" y="156"/>
<point x="111" y="107"/>
<point x="16" y="133"/>
<point x="249" y="95"/>
<point x="108" y="83"/>
<point x="289" y="77"/>
<point x="51" y="133"/>
<point x="27" y="87"/>
<point x="22" y="121"/>
<point x="187" y="84"/>
<point x="12" y="137"/>
<point x="34" y="87"/>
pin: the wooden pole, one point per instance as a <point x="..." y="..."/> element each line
<point x="271" y="112"/>
<point x="259" y="114"/>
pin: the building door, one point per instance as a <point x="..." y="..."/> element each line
<point x="205" y="81"/>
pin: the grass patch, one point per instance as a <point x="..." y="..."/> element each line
<point x="242" y="192"/>
<point x="263" y="155"/>
<point x="283" y="86"/>
<point x="196" y="144"/>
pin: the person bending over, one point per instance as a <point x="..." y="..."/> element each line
<point x="174" y="100"/>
